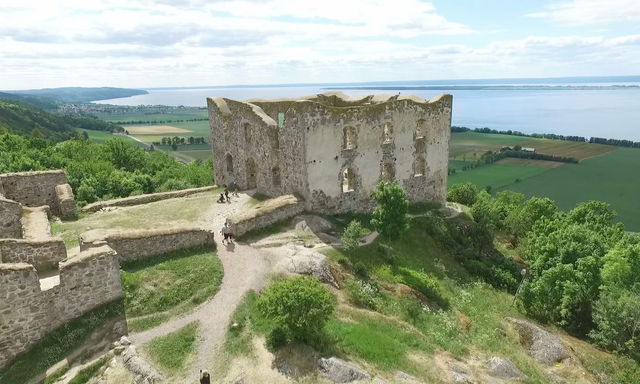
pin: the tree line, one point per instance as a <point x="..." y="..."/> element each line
<point x="102" y="171"/>
<point x="582" y="268"/>
<point x="130" y="122"/>
<point x="175" y="140"/>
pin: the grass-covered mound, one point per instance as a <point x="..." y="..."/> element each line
<point x="159" y="287"/>
<point x="172" y="351"/>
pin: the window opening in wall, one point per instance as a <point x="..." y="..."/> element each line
<point x="348" y="180"/>
<point x="229" y="162"/>
<point x="387" y="134"/>
<point x="349" y="138"/>
<point x="421" y="129"/>
<point x="275" y="174"/>
<point x="388" y="172"/>
<point x="280" y="119"/>
<point x="247" y="132"/>
<point x="421" y="166"/>
<point x="252" y="174"/>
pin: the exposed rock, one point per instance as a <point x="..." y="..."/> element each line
<point x="404" y="377"/>
<point x="542" y="345"/>
<point x="340" y="371"/>
<point x="312" y="223"/>
<point x="141" y="369"/>
<point x="503" y="368"/>
<point x="303" y="261"/>
<point x="296" y="360"/>
<point x="459" y="374"/>
<point x="124" y="340"/>
<point x="377" y="380"/>
<point x="119" y="328"/>
<point x="119" y="349"/>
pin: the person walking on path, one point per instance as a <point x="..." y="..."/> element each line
<point x="234" y="188"/>
<point x="226" y="193"/>
<point x="226" y="233"/>
<point x="205" y="378"/>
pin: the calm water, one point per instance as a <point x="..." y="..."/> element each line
<point x="611" y="113"/>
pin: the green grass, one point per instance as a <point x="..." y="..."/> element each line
<point x="238" y="339"/>
<point x="86" y="374"/>
<point x="57" y="344"/>
<point x="172" y="351"/>
<point x="611" y="178"/>
<point x="57" y="374"/>
<point x="496" y="175"/>
<point x="471" y="142"/>
<point x="175" y="281"/>
<point x="101" y="137"/>
<point x="147" y="322"/>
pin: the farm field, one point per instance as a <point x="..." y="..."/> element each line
<point x="100" y="137"/>
<point x="497" y="175"/>
<point x="611" y="178"/>
<point x="154" y="129"/>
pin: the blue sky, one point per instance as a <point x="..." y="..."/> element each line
<point x="147" y="43"/>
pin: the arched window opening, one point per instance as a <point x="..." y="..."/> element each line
<point x="252" y="174"/>
<point x="229" y="163"/>
<point x="387" y="134"/>
<point x="388" y="172"/>
<point x="349" y="138"/>
<point x="421" y="166"/>
<point x="247" y="132"/>
<point x="275" y="174"/>
<point x="348" y="180"/>
<point x="421" y="129"/>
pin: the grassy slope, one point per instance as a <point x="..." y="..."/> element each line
<point x="611" y="178"/>
<point x="402" y="335"/>
<point x="171" y="352"/>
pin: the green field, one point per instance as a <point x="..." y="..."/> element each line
<point x="100" y="137"/>
<point x="496" y="175"/>
<point x="612" y="178"/>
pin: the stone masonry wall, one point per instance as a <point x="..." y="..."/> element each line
<point x="42" y="254"/>
<point x="66" y="201"/>
<point x="34" y="189"/>
<point x="10" y="212"/>
<point x="143" y="244"/>
<point x="26" y="313"/>
<point x="266" y="213"/>
<point x="144" y="199"/>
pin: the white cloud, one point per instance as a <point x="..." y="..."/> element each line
<point x="584" y="12"/>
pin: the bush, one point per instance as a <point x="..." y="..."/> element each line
<point x="428" y="285"/>
<point x="300" y="307"/>
<point x="363" y="293"/>
<point x="360" y="270"/>
<point x="463" y="193"/>
<point x="351" y="236"/>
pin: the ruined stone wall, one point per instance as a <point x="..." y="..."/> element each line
<point x="142" y="244"/>
<point x="34" y="189"/>
<point x="26" y="313"/>
<point x="266" y="213"/>
<point x="402" y="139"/>
<point x="42" y="254"/>
<point x="144" y="199"/>
<point x="10" y="212"/>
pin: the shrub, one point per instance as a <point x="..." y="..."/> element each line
<point x="360" y="270"/>
<point x="363" y="293"/>
<point x="300" y="307"/>
<point x="463" y="193"/>
<point x="428" y="285"/>
<point x="351" y="236"/>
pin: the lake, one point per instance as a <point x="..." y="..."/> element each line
<point x="566" y="108"/>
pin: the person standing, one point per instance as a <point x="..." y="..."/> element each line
<point x="205" y="378"/>
<point x="226" y="233"/>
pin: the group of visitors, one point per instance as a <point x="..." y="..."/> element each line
<point x="224" y="196"/>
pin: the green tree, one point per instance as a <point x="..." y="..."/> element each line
<point x="351" y="236"/>
<point x="522" y="217"/>
<point x="390" y="214"/>
<point x="299" y="307"/>
<point x="463" y="193"/>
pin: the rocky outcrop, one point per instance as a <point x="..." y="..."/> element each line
<point x="340" y="371"/>
<point x="542" y="346"/>
<point x="403" y="377"/>
<point x="459" y="374"/>
<point x="504" y="369"/>
<point x="303" y="261"/>
<point x="312" y="223"/>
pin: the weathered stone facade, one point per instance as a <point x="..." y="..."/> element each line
<point x="142" y="244"/>
<point x="35" y="189"/>
<point x="265" y="214"/>
<point x="10" y="212"/>
<point x="27" y="313"/>
<point x="332" y="150"/>
<point x="42" y="254"/>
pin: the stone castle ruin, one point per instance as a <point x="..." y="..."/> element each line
<point x="41" y="285"/>
<point x="333" y="150"/>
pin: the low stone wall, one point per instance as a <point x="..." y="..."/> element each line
<point x="42" y="254"/>
<point x="143" y="199"/>
<point x="88" y="280"/>
<point x="34" y="189"/>
<point x="142" y="244"/>
<point x="10" y="212"/>
<point x="266" y="213"/>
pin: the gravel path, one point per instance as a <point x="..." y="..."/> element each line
<point x="245" y="268"/>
